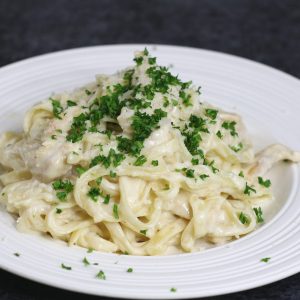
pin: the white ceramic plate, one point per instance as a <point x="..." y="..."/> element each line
<point x="269" y="102"/>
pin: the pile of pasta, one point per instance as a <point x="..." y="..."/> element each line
<point x="135" y="163"/>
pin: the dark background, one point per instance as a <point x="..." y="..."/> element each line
<point x="267" y="31"/>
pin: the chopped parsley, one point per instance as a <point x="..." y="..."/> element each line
<point x="80" y="170"/>
<point x="53" y="137"/>
<point x="190" y="173"/>
<point x="138" y="60"/>
<point x="17" y="254"/>
<point x="115" y="211"/>
<point x="241" y="174"/>
<point x="144" y="232"/>
<point x="88" y="92"/>
<point x="243" y="218"/>
<point x="265" y="259"/>
<point x="94" y="193"/>
<point x="113" y="158"/>
<point x="195" y="161"/>
<point x="86" y="262"/>
<point x="56" y="108"/>
<point x="64" y="187"/>
<point x="140" y="160"/>
<point x="259" y="214"/>
<point x="203" y="176"/>
<point x="101" y="275"/>
<point x="152" y="60"/>
<point x="237" y="148"/>
<point x="231" y="127"/>
<point x="63" y="266"/>
<point x="173" y="290"/>
<point x="154" y="163"/>
<point x="219" y="134"/>
<point x="90" y="250"/>
<point x="129" y="270"/>
<point x="248" y="189"/>
<point x="58" y="210"/>
<point x="166" y="188"/>
<point x="71" y="103"/>
<point x="186" y="98"/>
<point x="211" y="113"/>
<point x="112" y="174"/>
<point x="266" y="183"/>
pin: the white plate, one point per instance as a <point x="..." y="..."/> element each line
<point x="269" y="102"/>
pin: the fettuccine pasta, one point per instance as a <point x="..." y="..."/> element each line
<point x="135" y="163"/>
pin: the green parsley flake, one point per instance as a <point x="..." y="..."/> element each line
<point x="58" y="210"/>
<point x="231" y="127"/>
<point x="94" y="193"/>
<point x="265" y="259"/>
<point x="241" y="174"/>
<point x="266" y="183"/>
<point x="140" y="160"/>
<point x="186" y="99"/>
<point x="211" y="113"/>
<point x="190" y="173"/>
<point x="101" y="275"/>
<point x="203" y="176"/>
<point x="152" y="60"/>
<point x="17" y="254"/>
<point x="71" y="103"/>
<point x="243" y="218"/>
<point x="219" y="134"/>
<point x="259" y="214"/>
<point x="86" y="262"/>
<point x="90" y="250"/>
<point x="112" y="174"/>
<point x="113" y="158"/>
<point x="129" y="270"/>
<point x="88" y="92"/>
<point x="115" y="211"/>
<point x="237" y="148"/>
<point x="65" y="188"/>
<point x="249" y="189"/>
<point x="195" y="161"/>
<point x="154" y="163"/>
<point x="138" y="60"/>
<point x="144" y="232"/>
<point x="63" y="266"/>
<point x="56" y="108"/>
<point x="173" y="290"/>
<point x="80" y="170"/>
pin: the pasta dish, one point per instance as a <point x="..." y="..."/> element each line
<point x="135" y="163"/>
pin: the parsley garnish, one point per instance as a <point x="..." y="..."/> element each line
<point x="266" y="183"/>
<point x="152" y="60"/>
<point x="154" y="163"/>
<point x="80" y="170"/>
<point x="88" y="92"/>
<point x="259" y="214"/>
<point x="195" y="161"/>
<point x="138" y="60"/>
<point x="144" y="232"/>
<point x="65" y="187"/>
<point x="249" y="189"/>
<point x="85" y="262"/>
<point x="241" y="174"/>
<point x="101" y="275"/>
<point x="56" y="108"/>
<point x="140" y="160"/>
<point x="115" y="211"/>
<point x="94" y="193"/>
<point x="237" y="148"/>
<point x="78" y="128"/>
<point x="231" y="127"/>
<point x="173" y="290"/>
<point x="211" y="113"/>
<point x="63" y="266"/>
<point x="17" y="254"/>
<point x="113" y="158"/>
<point x="112" y="174"/>
<point x="219" y="134"/>
<point x="71" y="103"/>
<point x="203" y="176"/>
<point x="243" y="218"/>
<point x="190" y="173"/>
<point x="265" y="259"/>
<point x="58" y="210"/>
<point x="90" y="250"/>
<point x="129" y="270"/>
